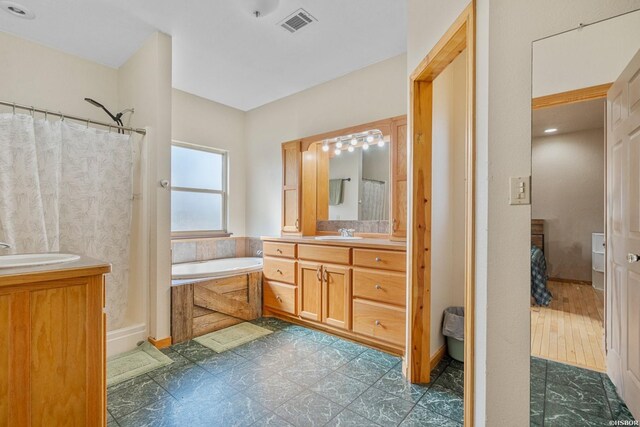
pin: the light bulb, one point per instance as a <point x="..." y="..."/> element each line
<point x="381" y="142"/>
<point x="350" y="149"/>
<point x="339" y="144"/>
<point x="354" y="141"/>
<point x="370" y="138"/>
<point x="338" y="151"/>
<point x="325" y="147"/>
<point x="365" y="146"/>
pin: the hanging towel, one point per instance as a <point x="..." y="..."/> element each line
<point x="336" y="192"/>
<point x="539" y="289"/>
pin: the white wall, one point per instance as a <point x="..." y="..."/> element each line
<point x="144" y="82"/>
<point x="506" y="30"/>
<point x="591" y="56"/>
<point x="372" y="93"/>
<point x="568" y="193"/>
<point x="346" y="165"/>
<point x="448" y="195"/>
<point x="203" y="122"/>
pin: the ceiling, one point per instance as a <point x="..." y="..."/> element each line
<point x="220" y="50"/>
<point x="569" y="118"/>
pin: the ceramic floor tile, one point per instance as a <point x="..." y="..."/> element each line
<point x="422" y="417"/>
<point x="247" y="374"/>
<point x="364" y="370"/>
<point x="452" y="379"/>
<point x="570" y="376"/>
<point x="308" y="409"/>
<point x="349" y="418"/>
<point x="178" y="362"/>
<point x="321" y="337"/>
<point x="193" y="351"/>
<point x="443" y="401"/>
<point x="381" y="358"/>
<point x="381" y="407"/>
<point x="538" y="367"/>
<point x="304" y="372"/>
<point x="270" y="323"/>
<point x="395" y="383"/>
<point x="274" y="392"/>
<point x="351" y="347"/>
<point x="239" y="410"/>
<point x="619" y="410"/>
<point x="111" y="422"/>
<point x="439" y="368"/>
<point x="218" y="363"/>
<point x="296" y="330"/>
<point x="583" y="400"/>
<point x="271" y="420"/>
<point x="339" y="388"/>
<point x="331" y="357"/>
<point x="163" y="413"/>
<point x="537" y="400"/>
<point x="566" y="416"/>
<point x="254" y="349"/>
<point x="136" y="396"/>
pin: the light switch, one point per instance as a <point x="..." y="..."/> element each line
<point x="520" y="190"/>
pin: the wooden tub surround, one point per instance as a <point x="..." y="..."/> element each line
<point x="53" y="345"/>
<point x="203" y="306"/>
<point x="352" y="288"/>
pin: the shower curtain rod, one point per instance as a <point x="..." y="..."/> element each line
<point x="67" y="116"/>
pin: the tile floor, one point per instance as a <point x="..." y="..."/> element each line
<point x="563" y="395"/>
<point x="301" y="377"/>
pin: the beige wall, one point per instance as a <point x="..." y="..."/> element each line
<point x="568" y="193"/>
<point x="199" y="121"/>
<point x="145" y="83"/>
<point x="448" y="191"/>
<point x="33" y="74"/>
<point x="372" y="93"/>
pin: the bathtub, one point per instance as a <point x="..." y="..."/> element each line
<point x="214" y="269"/>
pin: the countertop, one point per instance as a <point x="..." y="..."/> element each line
<point x="366" y="243"/>
<point x="82" y="267"/>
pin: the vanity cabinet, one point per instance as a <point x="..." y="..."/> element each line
<point x="291" y="178"/>
<point x="399" y="179"/>
<point x="52" y="345"/>
<point x="355" y="289"/>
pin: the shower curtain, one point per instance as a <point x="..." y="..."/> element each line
<point x="373" y="200"/>
<point x="67" y="187"/>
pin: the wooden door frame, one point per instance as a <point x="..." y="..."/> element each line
<point x="459" y="36"/>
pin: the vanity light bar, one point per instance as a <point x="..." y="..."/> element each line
<point x="349" y="142"/>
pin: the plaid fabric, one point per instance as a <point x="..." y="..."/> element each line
<point x="539" y="289"/>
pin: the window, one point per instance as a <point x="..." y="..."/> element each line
<point x="198" y="190"/>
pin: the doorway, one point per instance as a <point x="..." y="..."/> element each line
<point x="420" y="358"/>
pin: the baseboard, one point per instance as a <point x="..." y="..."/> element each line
<point x="574" y="281"/>
<point x="438" y="355"/>
<point x="161" y="343"/>
<point x="125" y="339"/>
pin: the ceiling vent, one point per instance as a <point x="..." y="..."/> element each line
<point x="297" y="20"/>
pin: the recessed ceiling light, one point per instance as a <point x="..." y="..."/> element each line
<point x="17" y="10"/>
<point x="550" y="130"/>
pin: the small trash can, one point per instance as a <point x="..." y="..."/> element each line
<point x="453" y="329"/>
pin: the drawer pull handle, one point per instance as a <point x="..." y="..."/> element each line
<point x="378" y="287"/>
<point x="278" y="298"/>
<point x="377" y="323"/>
<point x="279" y="251"/>
<point x="279" y="271"/>
<point x="378" y="259"/>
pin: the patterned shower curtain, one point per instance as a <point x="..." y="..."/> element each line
<point x="373" y="200"/>
<point x="68" y="188"/>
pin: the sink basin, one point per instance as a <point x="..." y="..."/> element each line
<point x="337" y="238"/>
<point x="28" y="260"/>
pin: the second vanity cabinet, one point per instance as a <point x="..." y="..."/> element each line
<point x="355" y="291"/>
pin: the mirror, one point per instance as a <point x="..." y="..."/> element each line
<point x="359" y="184"/>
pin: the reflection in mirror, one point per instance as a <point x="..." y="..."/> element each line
<point x="585" y="198"/>
<point x="358" y="177"/>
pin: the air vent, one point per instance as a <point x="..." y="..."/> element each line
<point x="297" y="20"/>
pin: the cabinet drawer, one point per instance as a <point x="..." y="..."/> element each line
<point x="283" y="250"/>
<point x="386" y="260"/>
<point x="380" y="286"/>
<point x="325" y="254"/>
<point x="279" y="296"/>
<point x="281" y="270"/>
<point x="380" y="321"/>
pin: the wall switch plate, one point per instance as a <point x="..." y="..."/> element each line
<point x="520" y="190"/>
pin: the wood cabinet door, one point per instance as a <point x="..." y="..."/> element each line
<point x="310" y="290"/>
<point x="336" y="296"/>
<point x="291" y="187"/>
<point x="399" y="179"/>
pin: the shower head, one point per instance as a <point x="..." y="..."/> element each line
<point x="97" y="104"/>
<point x="93" y="102"/>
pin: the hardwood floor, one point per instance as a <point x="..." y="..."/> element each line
<point x="571" y="329"/>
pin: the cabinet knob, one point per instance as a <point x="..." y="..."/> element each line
<point x="279" y="271"/>
<point x="278" y="298"/>
<point x="377" y="323"/>
<point x="377" y="286"/>
<point x="378" y="259"/>
<point x="279" y="250"/>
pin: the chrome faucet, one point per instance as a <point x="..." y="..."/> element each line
<point x="346" y="232"/>
<point x="4" y="245"/>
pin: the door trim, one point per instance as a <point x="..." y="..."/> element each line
<point x="571" y="96"/>
<point x="459" y="36"/>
